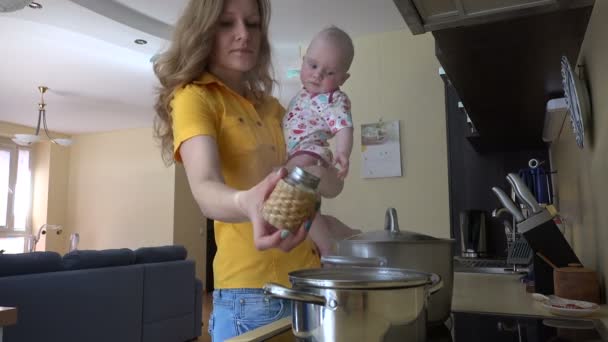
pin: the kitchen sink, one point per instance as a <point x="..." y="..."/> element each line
<point x="494" y="266"/>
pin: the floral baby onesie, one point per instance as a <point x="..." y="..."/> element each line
<point x="313" y="119"/>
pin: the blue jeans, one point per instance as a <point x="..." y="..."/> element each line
<point x="237" y="311"/>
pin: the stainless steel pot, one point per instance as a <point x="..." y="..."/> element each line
<point x="348" y="304"/>
<point x="407" y="250"/>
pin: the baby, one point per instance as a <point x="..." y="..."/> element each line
<point x="318" y="112"/>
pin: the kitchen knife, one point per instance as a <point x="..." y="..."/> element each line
<point x="508" y="204"/>
<point x="523" y="193"/>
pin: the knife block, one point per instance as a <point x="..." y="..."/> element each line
<point x="547" y="239"/>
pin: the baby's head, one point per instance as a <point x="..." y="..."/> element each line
<point x="327" y="60"/>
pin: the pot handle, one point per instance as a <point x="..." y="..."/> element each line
<point x="279" y="291"/>
<point x="436" y="283"/>
<point x="353" y="261"/>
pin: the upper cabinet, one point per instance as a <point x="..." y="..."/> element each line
<point x="430" y="15"/>
<point x="503" y="59"/>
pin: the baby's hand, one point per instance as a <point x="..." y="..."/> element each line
<point x="341" y="161"/>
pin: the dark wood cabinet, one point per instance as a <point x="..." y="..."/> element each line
<point x="503" y="58"/>
<point x="473" y="171"/>
<point x="506" y="72"/>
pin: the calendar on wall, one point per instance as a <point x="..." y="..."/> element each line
<point x="380" y="150"/>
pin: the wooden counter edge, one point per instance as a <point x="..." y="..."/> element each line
<point x="8" y="316"/>
<point x="264" y="332"/>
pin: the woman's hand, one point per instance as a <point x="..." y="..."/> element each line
<point x="266" y="236"/>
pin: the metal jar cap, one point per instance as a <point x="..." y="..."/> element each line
<point x="299" y="176"/>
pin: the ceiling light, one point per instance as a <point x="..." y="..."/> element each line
<point x="28" y="139"/>
<point x="34" y="5"/>
<point x="140" y="41"/>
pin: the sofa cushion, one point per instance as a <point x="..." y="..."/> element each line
<point x="146" y="255"/>
<point x="36" y="262"/>
<point x="81" y="259"/>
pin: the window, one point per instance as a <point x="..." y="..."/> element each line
<point x="15" y="195"/>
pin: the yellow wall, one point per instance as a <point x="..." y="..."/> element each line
<point x="40" y="174"/>
<point x="582" y="179"/>
<point x="120" y="194"/>
<point x="9" y="129"/>
<point x="395" y="77"/>
<point x="58" y="197"/>
<point x="189" y="224"/>
<point x="50" y="173"/>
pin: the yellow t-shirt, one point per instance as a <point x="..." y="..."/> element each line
<point x="250" y="143"/>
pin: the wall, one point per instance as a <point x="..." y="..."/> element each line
<point x="120" y="194"/>
<point x="395" y="77"/>
<point x="9" y="129"/>
<point x="40" y="174"/>
<point x="582" y="181"/>
<point x="50" y="173"/>
<point x="189" y="224"/>
<point x="58" y="197"/>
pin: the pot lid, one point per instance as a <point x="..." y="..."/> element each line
<point x="360" y="277"/>
<point x="391" y="233"/>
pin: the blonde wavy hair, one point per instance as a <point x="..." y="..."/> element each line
<point x="187" y="58"/>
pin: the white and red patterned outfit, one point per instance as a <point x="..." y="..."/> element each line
<point x="312" y="119"/>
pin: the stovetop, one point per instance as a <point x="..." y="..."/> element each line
<point x="477" y="327"/>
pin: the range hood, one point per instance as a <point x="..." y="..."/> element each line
<point x="503" y="59"/>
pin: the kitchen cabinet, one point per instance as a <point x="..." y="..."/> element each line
<point x="505" y="68"/>
<point x="432" y="15"/>
<point x="473" y="170"/>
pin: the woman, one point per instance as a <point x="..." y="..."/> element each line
<point x="215" y="114"/>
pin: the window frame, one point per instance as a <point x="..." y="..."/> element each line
<point x="9" y="229"/>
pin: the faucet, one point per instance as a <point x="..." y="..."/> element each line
<point x="510" y="230"/>
<point x="508" y="226"/>
<point x="499" y="211"/>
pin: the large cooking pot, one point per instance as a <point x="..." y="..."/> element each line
<point x="348" y="304"/>
<point x="402" y="249"/>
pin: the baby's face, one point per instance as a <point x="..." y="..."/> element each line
<point x="323" y="68"/>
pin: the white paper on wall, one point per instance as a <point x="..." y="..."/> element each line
<point x="380" y="150"/>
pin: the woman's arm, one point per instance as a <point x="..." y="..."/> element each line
<point x="220" y="202"/>
<point x="216" y="199"/>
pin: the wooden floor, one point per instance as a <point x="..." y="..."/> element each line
<point x="207" y="305"/>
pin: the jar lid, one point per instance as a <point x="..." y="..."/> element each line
<point x="360" y="277"/>
<point x="299" y="176"/>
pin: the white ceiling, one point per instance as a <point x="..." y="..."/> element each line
<point x="100" y="80"/>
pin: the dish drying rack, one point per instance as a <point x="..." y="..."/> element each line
<point x="518" y="250"/>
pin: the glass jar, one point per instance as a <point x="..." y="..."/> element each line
<point x="292" y="201"/>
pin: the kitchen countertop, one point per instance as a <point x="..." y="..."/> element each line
<point x="473" y="292"/>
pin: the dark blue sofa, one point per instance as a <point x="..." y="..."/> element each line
<point x="148" y="295"/>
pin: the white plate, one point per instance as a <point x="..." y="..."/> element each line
<point x="572" y="308"/>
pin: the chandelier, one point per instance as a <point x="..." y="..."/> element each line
<point x="28" y="139"/>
